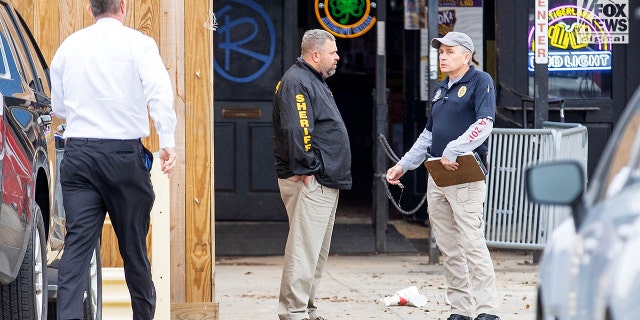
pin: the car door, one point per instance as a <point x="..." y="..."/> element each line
<point x="17" y="155"/>
<point x="612" y="210"/>
<point x="40" y="84"/>
<point x="574" y="270"/>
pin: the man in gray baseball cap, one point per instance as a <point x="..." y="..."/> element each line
<point x="461" y="120"/>
<point x="453" y="39"/>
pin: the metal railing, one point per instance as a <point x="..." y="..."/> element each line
<point x="511" y="221"/>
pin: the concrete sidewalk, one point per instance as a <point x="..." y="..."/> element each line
<point x="247" y="287"/>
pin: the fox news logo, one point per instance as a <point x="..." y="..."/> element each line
<point x="613" y="13"/>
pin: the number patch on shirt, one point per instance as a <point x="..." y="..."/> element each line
<point x="477" y="130"/>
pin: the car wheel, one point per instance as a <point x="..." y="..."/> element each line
<point x="26" y="296"/>
<point x="540" y="312"/>
<point x="93" y="294"/>
<point x="539" y="308"/>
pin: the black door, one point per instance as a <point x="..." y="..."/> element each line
<point x="253" y="46"/>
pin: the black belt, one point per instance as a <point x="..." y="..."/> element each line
<point x="100" y="140"/>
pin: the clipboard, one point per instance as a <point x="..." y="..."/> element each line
<point x="470" y="169"/>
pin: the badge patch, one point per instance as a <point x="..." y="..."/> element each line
<point x="462" y="91"/>
<point x="437" y="95"/>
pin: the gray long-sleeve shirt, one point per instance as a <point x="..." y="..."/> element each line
<point x="418" y="153"/>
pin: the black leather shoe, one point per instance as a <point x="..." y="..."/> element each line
<point x="486" y="316"/>
<point x="454" y="316"/>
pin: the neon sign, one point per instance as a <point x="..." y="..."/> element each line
<point x="576" y="60"/>
<point x="240" y="32"/>
<point x="572" y="30"/>
<point x="346" y="18"/>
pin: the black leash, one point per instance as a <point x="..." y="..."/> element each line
<point x="387" y="149"/>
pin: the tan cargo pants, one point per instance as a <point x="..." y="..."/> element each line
<point x="455" y="214"/>
<point x="311" y="212"/>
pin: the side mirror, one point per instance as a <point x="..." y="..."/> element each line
<point x="557" y="183"/>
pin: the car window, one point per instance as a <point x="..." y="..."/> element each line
<point x="4" y="64"/>
<point x="618" y="164"/>
<point x="619" y="169"/>
<point x="22" y="54"/>
<point x="38" y="60"/>
<point x="10" y="80"/>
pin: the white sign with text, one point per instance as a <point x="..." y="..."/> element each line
<point x="614" y="15"/>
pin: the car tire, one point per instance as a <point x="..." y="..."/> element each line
<point x="539" y="308"/>
<point x="26" y="296"/>
<point x="540" y="312"/>
<point x="92" y="307"/>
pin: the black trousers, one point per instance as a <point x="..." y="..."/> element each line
<point x="100" y="176"/>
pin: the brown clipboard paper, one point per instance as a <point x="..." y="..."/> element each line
<point x="470" y="169"/>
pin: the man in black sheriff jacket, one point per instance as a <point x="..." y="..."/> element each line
<point x="313" y="162"/>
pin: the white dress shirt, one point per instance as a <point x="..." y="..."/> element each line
<point x="104" y="77"/>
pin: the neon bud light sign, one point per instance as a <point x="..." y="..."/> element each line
<point x="571" y="31"/>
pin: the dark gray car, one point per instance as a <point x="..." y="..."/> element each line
<point x="590" y="268"/>
<point x="31" y="214"/>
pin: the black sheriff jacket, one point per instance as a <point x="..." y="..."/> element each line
<point x="309" y="135"/>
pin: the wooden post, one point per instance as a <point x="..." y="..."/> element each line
<point x="199" y="160"/>
<point x="160" y="223"/>
<point x="212" y="189"/>
<point x="172" y="51"/>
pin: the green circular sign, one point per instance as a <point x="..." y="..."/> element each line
<point x="346" y="18"/>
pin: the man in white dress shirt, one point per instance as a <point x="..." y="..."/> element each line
<point x="106" y="79"/>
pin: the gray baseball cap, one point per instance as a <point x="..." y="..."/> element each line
<point x="453" y="39"/>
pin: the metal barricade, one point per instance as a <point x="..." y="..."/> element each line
<point x="510" y="220"/>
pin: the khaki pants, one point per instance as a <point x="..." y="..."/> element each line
<point x="311" y="212"/>
<point x="455" y="214"/>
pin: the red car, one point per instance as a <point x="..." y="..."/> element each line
<point x="31" y="214"/>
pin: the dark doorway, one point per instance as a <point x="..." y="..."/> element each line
<point x="353" y="87"/>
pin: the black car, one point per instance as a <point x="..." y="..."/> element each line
<point x="31" y="214"/>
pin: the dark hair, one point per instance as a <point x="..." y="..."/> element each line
<point x="100" y="7"/>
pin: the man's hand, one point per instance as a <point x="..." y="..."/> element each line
<point x="394" y="173"/>
<point x="449" y="165"/>
<point x="168" y="160"/>
<point x="305" y="179"/>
